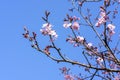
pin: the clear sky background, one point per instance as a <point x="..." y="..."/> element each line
<point x="18" y="61"/>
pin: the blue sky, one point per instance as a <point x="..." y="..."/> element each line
<point x="18" y="61"/>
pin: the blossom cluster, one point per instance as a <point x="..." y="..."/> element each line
<point x="47" y="30"/>
<point x="79" y="40"/>
<point x="103" y="18"/>
<point x="71" y="22"/>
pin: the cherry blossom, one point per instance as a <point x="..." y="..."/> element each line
<point x="89" y="44"/>
<point x="99" y="60"/>
<point x="80" y="39"/>
<point x="67" y="24"/>
<point x="47" y="25"/>
<point x="47" y="30"/>
<point x="53" y="33"/>
<point x="103" y="18"/>
<point x="75" y="26"/>
<point x="111" y="28"/>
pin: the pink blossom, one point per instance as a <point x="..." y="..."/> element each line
<point x="103" y="18"/>
<point x="89" y="44"/>
<point x="100" y="21"/>
<point x="97" y="24"/>
<point x="67" y="24"/>
<point x="99" y="60"/>
<point x="110" y="26"/>
<point x="46" y="25"/>
<point x="75" y="26"/>
<point x="80" y="39"/>
<point x="53" y="33"/>
<point x="47" y="30"/>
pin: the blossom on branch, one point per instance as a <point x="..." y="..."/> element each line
<point x="99" y="60"/>
<point x="67" y="24"/>
<point x="89" y="45"/>
<point x="75" y="26"/>
<point x="71" y="21"/>
<point x="111" y="28"/>
<point x="103" y="18"/>
<point x="80" y="39"/>
<point x="47" y="30"/>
